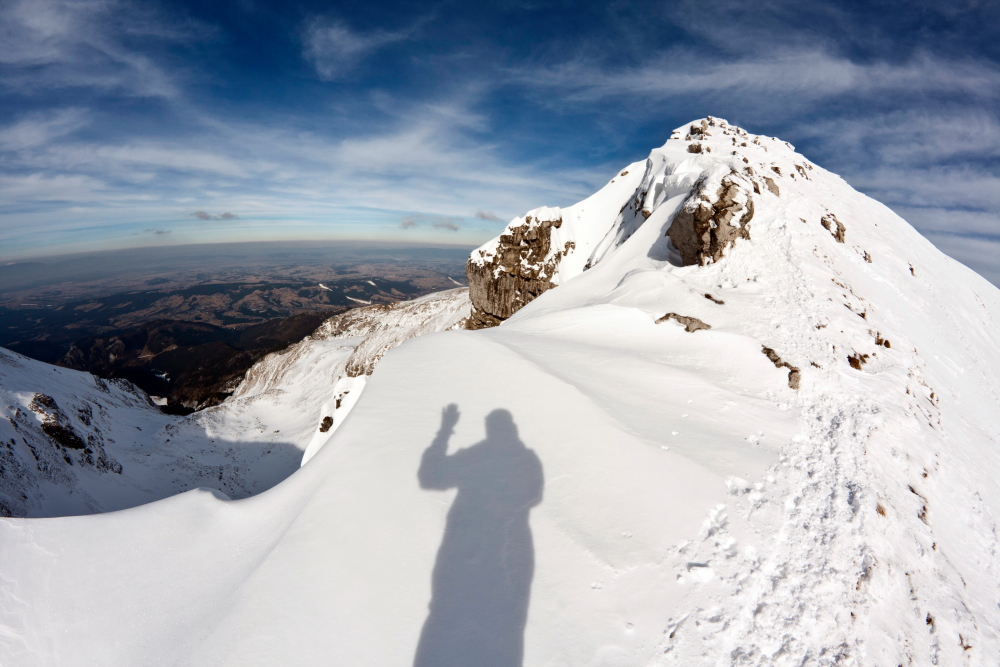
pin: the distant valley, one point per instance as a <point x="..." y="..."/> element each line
<point x="186" y="324"/>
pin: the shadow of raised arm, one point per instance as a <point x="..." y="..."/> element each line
<point x="437" y="471"/>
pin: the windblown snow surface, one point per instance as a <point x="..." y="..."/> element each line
<point x="666" y="495"/>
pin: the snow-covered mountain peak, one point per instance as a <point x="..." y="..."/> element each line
<point x="749" y="417"/>
<point x="722" y="171"/>
<point x="763" y="265"/>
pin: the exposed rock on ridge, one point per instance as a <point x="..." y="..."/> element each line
<point x="519" y="271"/>
<point x="690" y="324"/>
<point x="710" y="222"/>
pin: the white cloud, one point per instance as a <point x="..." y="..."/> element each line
<point x="47" y="44"/>
<point x="334" y="49"/>
<point x="42" y="128"/>
<point x="76" y="188"/>
<point x="787" y="78"/>
<point x="425" y="159"/>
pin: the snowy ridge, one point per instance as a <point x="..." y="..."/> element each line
<point x="71" y="443"/>
<point x="765" y="439"/>
<point x="340" y="354"/>
<point x="847" y="292"/>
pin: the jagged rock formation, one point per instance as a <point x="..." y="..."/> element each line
<point x="794" y="374"/>
<point x="834" y="226"/>
<point x="520" y="268"/>
<point x="341" y="354"/>
<point x="712" y="219"/>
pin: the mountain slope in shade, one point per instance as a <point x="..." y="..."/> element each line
<point x="71" y="443"/>
<point x="759" y="440"/>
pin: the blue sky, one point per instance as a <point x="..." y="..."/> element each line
<point x="141" y="123"/>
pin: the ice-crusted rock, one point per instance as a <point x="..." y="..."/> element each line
<point x="712" y="219"/>
<point x="319" y="380"/>
<point x="374" y="331"/>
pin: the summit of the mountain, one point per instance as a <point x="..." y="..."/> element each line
<point x="720" y="168"/>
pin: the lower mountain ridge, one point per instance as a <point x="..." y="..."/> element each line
<point x="725" y="411"/>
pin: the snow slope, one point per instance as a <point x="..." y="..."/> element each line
<point x="813" y="480"/>
<point x="113" y="449"/>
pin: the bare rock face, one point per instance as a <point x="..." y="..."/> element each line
<point x="712" y="219"/>
<point x="519" y="270"/>
<point x="834" y="226"/>
<point x="691" y="324"/>
<point x="58" y="427"/>
<point x="794" y="374"/>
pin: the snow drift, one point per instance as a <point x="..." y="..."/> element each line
<point x="761" y="410"/>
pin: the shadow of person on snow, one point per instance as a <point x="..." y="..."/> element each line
<point x="482" y="578"/>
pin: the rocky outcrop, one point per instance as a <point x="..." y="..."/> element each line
<point x="835" y="227"/>
<point x="59" y="429"/>
<point x="691" y="324"/>
<point x="516" y="270"/>
<point x="794" y="374"/>
<point x="712" y="219"/>
<point x="707" y="165"/>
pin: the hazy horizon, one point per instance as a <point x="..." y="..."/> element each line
<point x="137" y="123"/>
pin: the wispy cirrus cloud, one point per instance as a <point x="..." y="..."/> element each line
<point x="41" y="128"/>
<point x="48" y="44"/>
<point x="21" y="191"/>
<point x="334" y="48"/>
<point x="427" y="157"/>
<point x="128" y="115"/>
<point x="795" y="76"/>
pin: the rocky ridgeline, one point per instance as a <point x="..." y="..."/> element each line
<point x="735" y="168"/>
